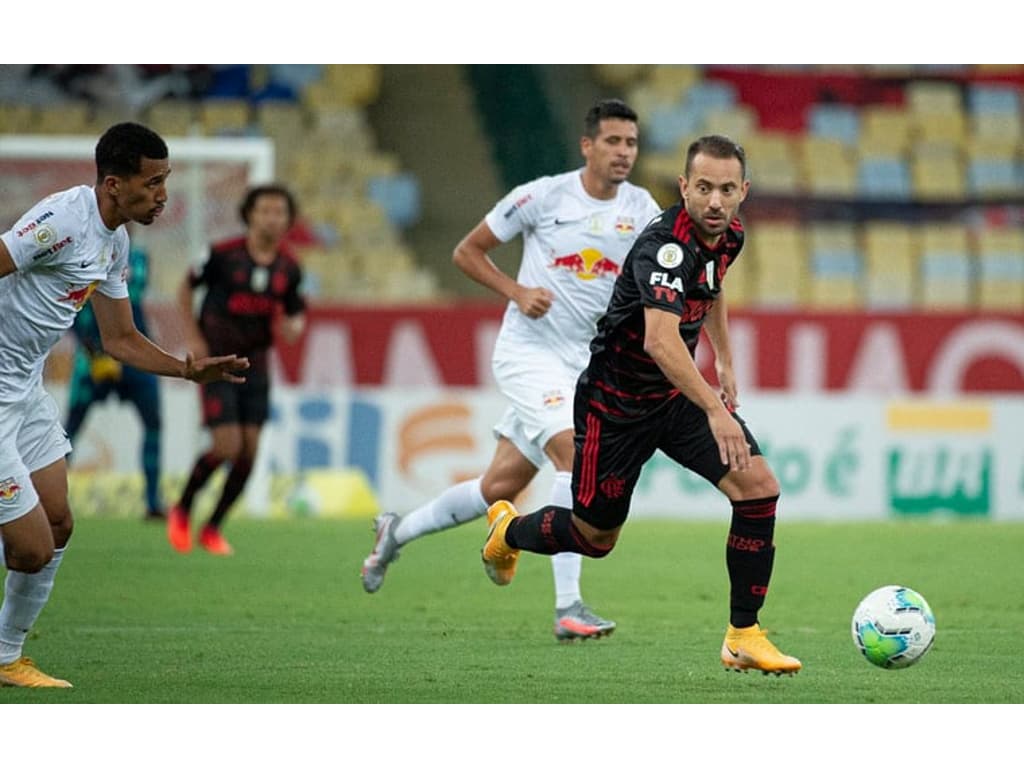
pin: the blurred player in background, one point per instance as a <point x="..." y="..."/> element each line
<point x="577" y="228"/>
<point x="252" y="288"/>
<point x="96" y="375"/>
<point x="70" y="248"/>
<point x="642" y="391"/>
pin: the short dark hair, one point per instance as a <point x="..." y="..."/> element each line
<point x="603" y="110"/>
<point x="721" y="147"/>
<point x="256" y="193"/>
<point x="120" y="150"/>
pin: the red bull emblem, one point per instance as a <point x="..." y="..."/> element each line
<point x="553" y="399"/>
<point x="586" y="265"/>
<point x="624" y="225"/>
<point x="9" y="491"/>
<point x="78" y="296"/>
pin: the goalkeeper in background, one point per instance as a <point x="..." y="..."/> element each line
<point x="96" y="375"/>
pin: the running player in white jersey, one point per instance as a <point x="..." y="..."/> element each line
<point x="70" y="248"/>
<point x="577" y="228"/>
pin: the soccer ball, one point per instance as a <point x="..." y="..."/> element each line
<point x="893" y="627"/>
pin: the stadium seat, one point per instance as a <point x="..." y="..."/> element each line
<point x="69" y="117"/>
<point x="890" y="259"/>
<point x="886" y="178"/>
<point x="398" y="195"/>
<point x="225" y="117"/>
<point x="738" y="123"/>
<point x="779" y="265"/>
<point x="948" y="127"/>
<point x="988" y="178"/>
<point x="933" y="97"/>
<point x="672" y="81"/>
<point x="885" y="131"/>
<point x="828" y="167"/>
<point x="172" y="117"/>
<point x="836" y="268"/>
<point x="937" y="178"/>
<point x="1003" y="99"/>
<point x="772" y="165"/>
<point x="834" y="121"/>
<point x="947" y="266"/>
<point x="669" y="125"/>
<point x="619" y="75"/>
<point x="1001" y="282"/>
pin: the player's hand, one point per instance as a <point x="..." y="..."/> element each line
<point x="221" y="368"/>
<point x="534" y="302"/>
<point x="733" y="448"/>
<point x="104" y="368"/>
<point x="197" y="345"/>
<point x="727" y="383"/>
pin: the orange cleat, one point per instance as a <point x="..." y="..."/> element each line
<point x="178" y="531"/>
<point x="211" y="540"/>
<point x="23" y="673"/>
<point x="498" y="557"/>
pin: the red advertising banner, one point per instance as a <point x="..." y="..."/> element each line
<point x="877" y="353"/>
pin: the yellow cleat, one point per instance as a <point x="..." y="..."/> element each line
<point x="499" y="558"/>
<point x="749" y="648"/>
<point x="23" y="673"/>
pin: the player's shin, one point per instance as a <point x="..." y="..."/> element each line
<point x="548" y="531"/>
<point x="749" y="556"/>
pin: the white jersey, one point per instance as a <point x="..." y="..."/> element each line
<point x="63" y="252"/>
<point x="573" y="245"/>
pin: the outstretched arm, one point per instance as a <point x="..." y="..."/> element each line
<point x="122" y="341"/>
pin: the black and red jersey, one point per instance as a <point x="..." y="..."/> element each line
<point x="242" y="299"/>
<point x="668" y="267"/>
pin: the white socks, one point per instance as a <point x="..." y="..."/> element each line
<point x="455" y="506"/>
<point x="566" y="566"/>
<point x="25" y="594"/>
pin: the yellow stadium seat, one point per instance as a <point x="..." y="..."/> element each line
<point x="828" y="293"/>
<point x="17" y="118"/>
<point x="224" y="117"/>
<point x="950" y="127"/>
<point x="172" y="117"/>
<point x="739" y="123"/>
<point x="828" y="167"/>
<point x="70" y="117"/>
<point x="885" y="131"/>
<point x="890" y="259"/>
<point x="935" y="97"/>
<point x="619" y="75"/>
<point x="777" y="260"/>
<point x="673" y="80"/>
<point x="1001" y="240"/>
<point x="947" y="266"/>
<point x="1000" y="128"/>
<point x="937" y="178"/>
<point x="772" y="165"/>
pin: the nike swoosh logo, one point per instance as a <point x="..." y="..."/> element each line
<point x="560" y="222"/>
<point x="85" y="264"/>
<point x="734" y="654"/>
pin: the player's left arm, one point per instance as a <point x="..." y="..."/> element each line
<point x="716" y="324"/>
<point x="293" y="321"/>
<point x="122" y="341"/>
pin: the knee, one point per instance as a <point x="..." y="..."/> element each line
<point x="62" y="527"/>
<point x="496" y="488"/>
<point x="600" y="543"/>
<point x="31" y="559"/>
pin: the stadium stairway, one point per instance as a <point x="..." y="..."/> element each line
<point x="425" y="115"/>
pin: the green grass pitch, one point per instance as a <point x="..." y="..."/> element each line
<point x="286" y="620"/>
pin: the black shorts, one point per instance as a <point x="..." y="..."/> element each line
<point x="246" y="403"/>
<point x="610" y="454"/>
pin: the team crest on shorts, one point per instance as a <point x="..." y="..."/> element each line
<point x="553" y="399"/>
<point x="9" y="491"/>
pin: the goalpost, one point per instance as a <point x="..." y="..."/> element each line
<point x="209" y="179"/>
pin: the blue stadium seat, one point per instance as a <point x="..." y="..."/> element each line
<point x="834" y="121"/>
<point x="884" y="177"/>
<point x="988" y="177"/>
<point x="399" y="197"/>
<point x="668" y="125"/>
<point x="993" y="98"/>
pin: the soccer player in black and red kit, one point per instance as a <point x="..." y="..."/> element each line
<point x="252" y="284"/>
<point x="642" y="391"/>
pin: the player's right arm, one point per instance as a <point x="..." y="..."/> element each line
<point x="471" y="257"/>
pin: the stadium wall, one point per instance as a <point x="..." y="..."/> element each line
<point x="838" y="457"/>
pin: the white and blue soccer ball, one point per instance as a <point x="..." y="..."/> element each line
<point x="893" y="627"/>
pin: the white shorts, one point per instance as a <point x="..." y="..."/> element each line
<point x="540" y="386"/>
<point x="31" y="438"/>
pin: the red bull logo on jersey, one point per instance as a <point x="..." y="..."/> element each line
<point x="9" y="491"/>
<point x="78" y="296"/>
<point x="625" y="225"/>
<point x="553" y="399"/>
<point x="587" y="264"/>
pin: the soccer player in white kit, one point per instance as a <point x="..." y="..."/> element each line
<point x="70" y="248"/>
<point x="577" y="228"/>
